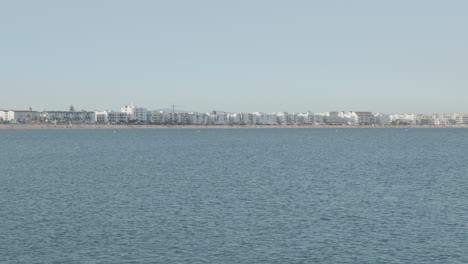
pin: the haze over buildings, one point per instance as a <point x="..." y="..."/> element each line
<point x="134" y="115"/>
<point x="382" y="56"/>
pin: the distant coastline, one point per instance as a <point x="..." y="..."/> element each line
<point x="80" y="126"/>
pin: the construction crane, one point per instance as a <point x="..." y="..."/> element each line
<point x="173" y="111"/>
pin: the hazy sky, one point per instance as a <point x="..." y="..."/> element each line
<point x="381" y="56"/>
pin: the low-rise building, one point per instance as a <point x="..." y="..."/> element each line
<point x="20" y="116"/>
<point x="68" y="117"/>
<point x="111" y="117"/>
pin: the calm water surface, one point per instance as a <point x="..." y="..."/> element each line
<point x="234" y="196"/>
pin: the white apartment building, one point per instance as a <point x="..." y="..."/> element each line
<point x="260" y="118"/>
<point x="111" y="117"/>
<point x="365" y="118"/>
<point x="234" y="118"/>
<point x="102" y="117"/>
<point x="426" y="120"/>
<point x="285" y="118"/>
<point x="382" y="119"/>
<point x="437" y="119"/>
<point x="73" y="117"/>
<point x="402" y="119"/>
<point x="358" y="118"/>
<point x="333" y="118"/>
<point x="303" y="118"/>
<point x="350" y="118"/>
<point x="135" y="113"/>
<point x="316" y="118"/>
<point x="176" y="118"/>
<point x="156" y="117"/>
<point x="220" y="118"/>
<point x="310" y="118"/>
<point x="446" y="119"/>
<point x="3" y="115"/>
<point x="199" y="118"/>
<point x="241" y="118"/>
<point x="19" y="116"/>
<point x="281" y="117"/>
<point x="166" y="118"/>
<point x="248" y="118"/>
<point x="461" y="119"/>
<point x="117" y="117"/>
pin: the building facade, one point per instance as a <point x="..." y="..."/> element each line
<point x="20" y="116"/>
<point x="68" y="117"/>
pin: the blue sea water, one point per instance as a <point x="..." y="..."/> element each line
<point x="234" y="196"/>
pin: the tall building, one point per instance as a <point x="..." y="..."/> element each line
<point x="135" y="113"/>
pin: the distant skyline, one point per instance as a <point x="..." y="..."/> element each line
<point x="236" y="56"/>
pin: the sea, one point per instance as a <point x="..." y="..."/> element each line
<point x="310" y="195"/>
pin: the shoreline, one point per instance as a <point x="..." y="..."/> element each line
<point x="74" y="127"/>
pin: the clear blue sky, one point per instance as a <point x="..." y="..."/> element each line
<point x="381" y="56"/>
